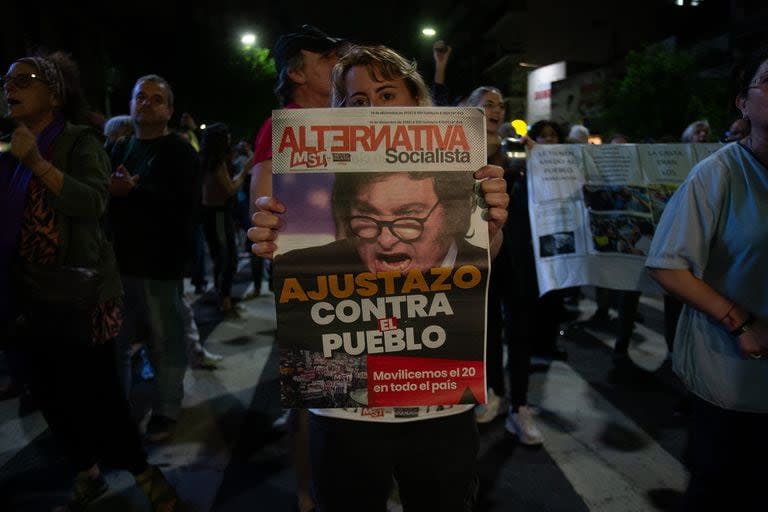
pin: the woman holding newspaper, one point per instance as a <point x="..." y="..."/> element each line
<point x="709" y="251"/>
<point x="431" y="454"/>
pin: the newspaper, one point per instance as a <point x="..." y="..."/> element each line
<point x="594" y="209"/>
<point x="382" y="275"/>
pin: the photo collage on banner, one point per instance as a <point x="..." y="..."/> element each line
<point x="594" y="209"/>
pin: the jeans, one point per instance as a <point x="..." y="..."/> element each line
<point x="156" y="305"/>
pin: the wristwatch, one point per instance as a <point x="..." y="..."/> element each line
<point x="744" y="327"/>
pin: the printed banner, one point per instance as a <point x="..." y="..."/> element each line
<point x="594" y="209"/>
<point x="382" y="275"/>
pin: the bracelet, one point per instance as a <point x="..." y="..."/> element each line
<point x="733" y="305"/>
<point x="744" y="327"/>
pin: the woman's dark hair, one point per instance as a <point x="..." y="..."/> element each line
<point x="539" y="126"/>
<point x="215" y="147"/>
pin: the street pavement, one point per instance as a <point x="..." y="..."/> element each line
<point x="613" y="441"/>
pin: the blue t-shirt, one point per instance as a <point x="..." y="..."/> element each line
<point x="714" y="225"/>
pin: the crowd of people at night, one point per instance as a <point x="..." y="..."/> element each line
<point x="102" y="225"/>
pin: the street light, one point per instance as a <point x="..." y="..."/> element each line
<point x="428" y="32"/>
<point x="248" y="39"/>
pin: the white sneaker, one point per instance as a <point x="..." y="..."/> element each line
<point x="522" y="425"/>
<point x="281" y="423"/>
<point x="211" y="355"/>
<point x="485" y="413"/>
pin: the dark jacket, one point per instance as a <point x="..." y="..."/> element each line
<point x="153" y="226"/>
<point x="79" y="154"/>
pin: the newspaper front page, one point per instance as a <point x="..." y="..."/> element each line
<point x="382" y="275"/>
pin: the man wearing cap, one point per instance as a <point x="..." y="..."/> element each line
<point x="304" y="61"/>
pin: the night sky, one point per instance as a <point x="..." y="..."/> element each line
<point x="197" y="48"/>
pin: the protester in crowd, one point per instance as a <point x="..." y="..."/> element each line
<point x="412" y="450"/>
<point x="155" y="190"/>
<point x="491" y="101"/>
<point x="304" y="61"/>
<point x="697" y="131"/>
<point x="441" y="53"/>
<point x="53" y="194"/>
<point x="116" y="128"/>
<point x="242" y="160"/>
<point x="709" y="251"/>
<point x="527" y="323"/>
<point x="534" y="317"/>
<point x="220" y="188"/>
<point x="738" y="130"/>
<point x="189" y="130"/>
<point x="579" y="134"/>
<point x="626" y="301"/>
<point x="618" y="138"/>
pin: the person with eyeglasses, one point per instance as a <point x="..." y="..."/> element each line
<point x="709" y="251"/>
<point x="395" y="222"/>
<point x="156" y="188"/>
<point x="303" y="60"/>
<point x="53" y="196"/>
<point x="429" y="452"/>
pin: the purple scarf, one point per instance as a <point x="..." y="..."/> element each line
<point x="14" y="180"/>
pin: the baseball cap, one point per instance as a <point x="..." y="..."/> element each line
<point x="308" y="38"/>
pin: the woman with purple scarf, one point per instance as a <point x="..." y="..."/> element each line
<point x="53" y="194"/>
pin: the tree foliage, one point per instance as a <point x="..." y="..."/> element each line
<point x="241" y="91"/>
<point x="660" y="93"/>
<point x="261" y="64"/>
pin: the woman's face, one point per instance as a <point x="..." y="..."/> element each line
<point x="755" y="104"/>
<point x="30" y="100"/>
<point x="701" y="134"/>
<point x="364" y="90"/>
<point x="493" y="104"/>
<point x="548" y="135"/>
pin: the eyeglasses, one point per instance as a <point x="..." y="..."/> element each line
<point x="760" y="83"/>
<point x="22" y="80"/>
<point x="405" y="229"/>
<point x="155" y="99"/>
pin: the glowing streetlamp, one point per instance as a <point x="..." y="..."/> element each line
<point x="248" y="39"/>
<point x="428" y="32"/>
